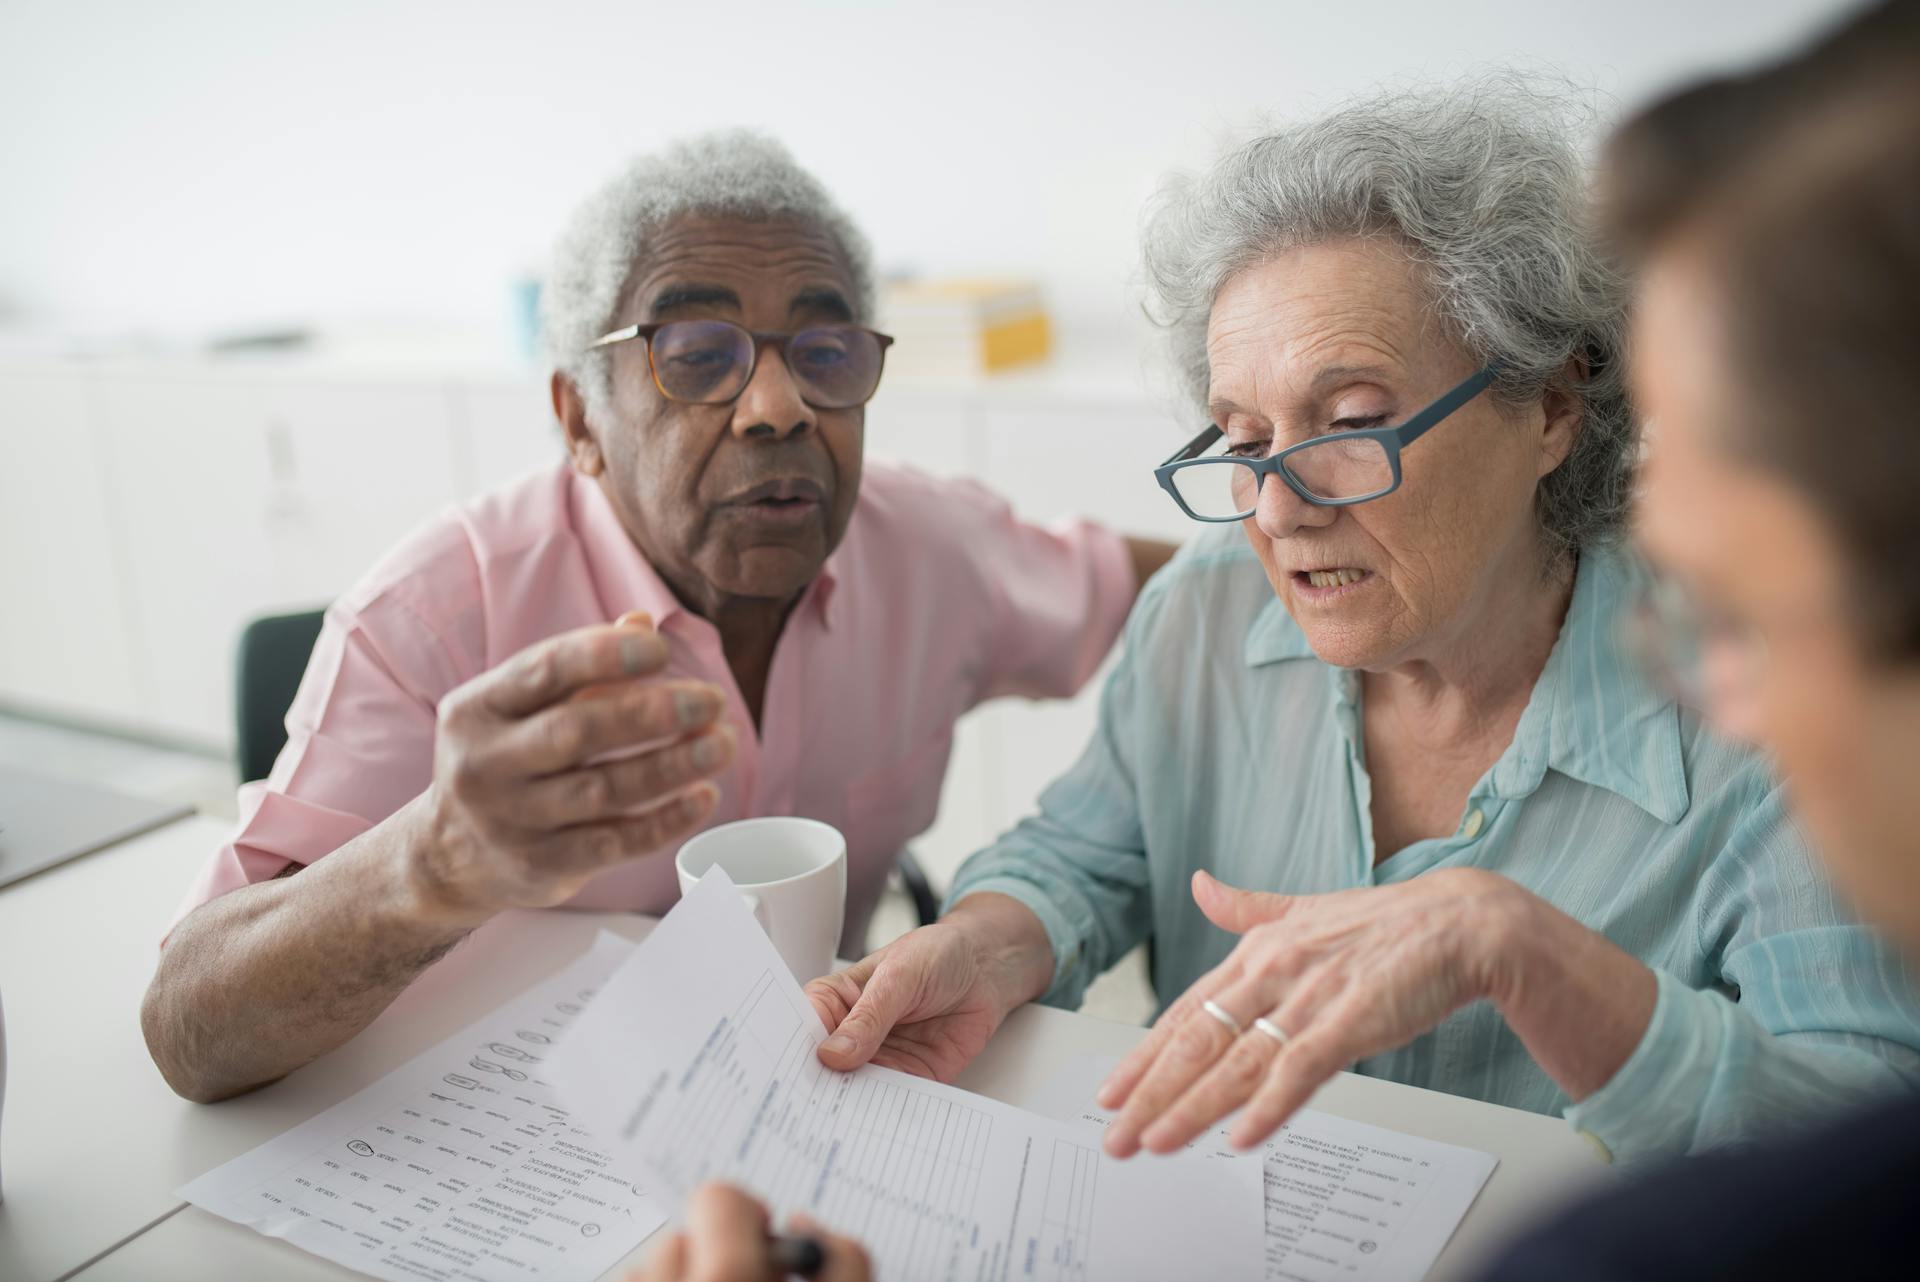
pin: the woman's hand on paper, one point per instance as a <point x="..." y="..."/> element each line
<point x="727" y="1239"/>
<point x="1320" y="981"/>
<point x="927" y="1003"/>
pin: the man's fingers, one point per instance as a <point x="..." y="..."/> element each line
<point x="616" y="787"/>
<point x="590" y="847"/>
<point x="560" y="738"/>
<point x="546" y="673"/>
<point x="727" y="1235"/>
<point x="884" y="999"/>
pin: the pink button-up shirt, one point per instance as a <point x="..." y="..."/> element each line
<point x="937" y="599"/>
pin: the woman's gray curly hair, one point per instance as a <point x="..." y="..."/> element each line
<point x="1484" y="186"/>
<point x="733" y="173"/>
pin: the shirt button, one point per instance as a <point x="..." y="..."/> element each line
<point x="1476" y="820"/>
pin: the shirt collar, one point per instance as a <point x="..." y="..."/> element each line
<point x="1275" y="637"/>
<point x="1593" y="716"/>
<point x="627" y="581"/>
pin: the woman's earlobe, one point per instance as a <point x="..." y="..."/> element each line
<point x="1563" y="411"/>
<point x="1563" y="432"/>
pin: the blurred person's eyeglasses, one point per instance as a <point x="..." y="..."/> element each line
<point x="1335" y="470"/>
<point x="1705" y="659"/>
<point x="710" y="362"/>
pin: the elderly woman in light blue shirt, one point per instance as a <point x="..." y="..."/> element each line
<point x="1374" y="773"/>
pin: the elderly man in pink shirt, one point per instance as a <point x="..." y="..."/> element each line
<point x="712" y="610"/>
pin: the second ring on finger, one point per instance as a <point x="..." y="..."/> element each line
<point x="1234" y="1058"/>
<point x="1223" y="1087"/>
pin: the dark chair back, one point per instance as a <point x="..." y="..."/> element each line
<point x="273" y="656"/>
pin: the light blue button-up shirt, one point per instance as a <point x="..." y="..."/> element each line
<point x="1224" y="744"/>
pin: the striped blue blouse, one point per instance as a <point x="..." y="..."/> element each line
<point x="1224" y="744"/>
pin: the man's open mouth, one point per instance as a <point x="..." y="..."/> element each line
<point x="792" y="499"/>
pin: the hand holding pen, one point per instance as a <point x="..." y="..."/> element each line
<point x="728" y="1238"/>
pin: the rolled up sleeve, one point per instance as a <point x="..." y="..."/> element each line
<point x="359" y="747"/>
<point x="1813" y="1013"/>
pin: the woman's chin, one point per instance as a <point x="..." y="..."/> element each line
<point x="1347" y="631"/>
<point x="1346" y="644"/>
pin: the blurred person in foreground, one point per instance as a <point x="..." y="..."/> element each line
<point x="1776" y="219"/>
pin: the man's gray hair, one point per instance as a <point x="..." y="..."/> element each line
<point x="731" y="173"/>
<point x="1483" y="185"/>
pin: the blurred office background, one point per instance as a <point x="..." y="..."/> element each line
<point x="263" y="272"/>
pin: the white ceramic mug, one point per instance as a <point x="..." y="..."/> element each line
<point x="793" y="873"/>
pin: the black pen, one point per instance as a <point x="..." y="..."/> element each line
<point x="796" y="1256"/>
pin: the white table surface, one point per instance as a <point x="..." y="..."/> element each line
<point x="95" y="1143"/>
<point x="77" y="1151"/>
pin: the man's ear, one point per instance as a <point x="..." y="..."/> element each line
<point x="571" y="409"/>
<point x="1564" y="412"/>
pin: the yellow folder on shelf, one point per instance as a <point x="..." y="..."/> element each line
<point x="964" y="326"/>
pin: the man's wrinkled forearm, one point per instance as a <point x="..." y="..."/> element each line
<point x="270" y="977"/>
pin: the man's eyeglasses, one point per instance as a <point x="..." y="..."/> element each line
<point x="1336" y="470"/>
<point x="710" y="362"/>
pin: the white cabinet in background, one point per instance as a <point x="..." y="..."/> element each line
<point x="353" y="468"/>
<point x="502" y="431"/>
<point x="937" y="434"/>
<point x="188" y="465"/>
<point x="1074" y="460"/>
<point x="65" y="642"/>
<point x="241" y="497"/>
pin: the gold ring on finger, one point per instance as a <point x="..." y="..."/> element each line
<point x="1271" y="1029"/>
<point x="1224" y="1015"/>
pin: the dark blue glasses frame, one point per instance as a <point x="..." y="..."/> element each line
<point x="1391" y="440"/>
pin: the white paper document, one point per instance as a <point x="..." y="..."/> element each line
<point x="697" y="1059"/>
<point x="458" y="1167"/>
<point x="1345" y="1201"/>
